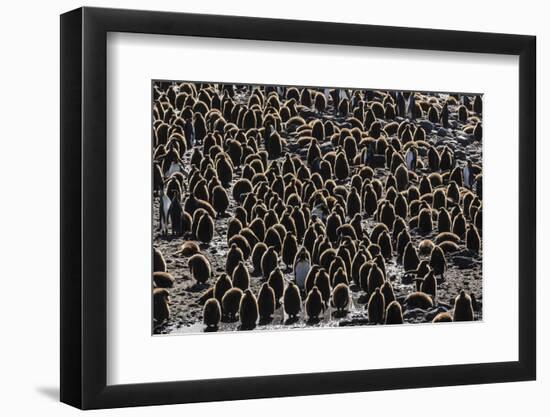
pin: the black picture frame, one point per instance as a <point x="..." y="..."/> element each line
<point x="84" y="208"/>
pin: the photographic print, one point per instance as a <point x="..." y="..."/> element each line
<point x="289" y="207"/>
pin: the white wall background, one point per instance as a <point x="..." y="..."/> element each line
<point x="29" y="215"/>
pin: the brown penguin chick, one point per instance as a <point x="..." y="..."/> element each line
<point x="259" y="249"/>
<point x="289" y="250"/>
<point x="270" y="261"/>
<point x="257" y="226"/>
<point x="438" y="262"/>
<point x="222" y="285"/>
<point x="266" y="302"/>
<point x="403" y="239"/>
<point x="462" y="113"/>
<point x="241" y="187"/>
<point x="220" y="200"/>
<point x="292" y="301"/>
<point x="420" y="300"/>
<point x="434" y="159"/>
<point x="459" y="225"/>
<point x="161" y="309"/>
<point x="387" y="291"/>
<point x="356" y="224"/>
<point x="211" y="314"/>
<point x="456" y="177"/>
<point x="425" y="221"/>
<point x="353" y="203"/>
<point x="473" y="241"/>
<point x="449" y="247"/>
<point x="364" y="273"/>
<point x="423" y="269"/>
<point x="358" y="261"/>
<point x="242" y="244"/>
<point x="425" y="187"/>
<point x="341" y="167"/>
<point x="250" y="238"/>
<point x="159" y="264"/>
<point x="401" y="207"/>
<point x="443" y="221"/>
<point x="425" y="247"/>
<point x="277" y="282"/>
<point x="188" y="249"/>
<point x="394" y="313"/>
<point x="241" y="277"/>
<point x="339" y="277"/>
<point x="379" y="261"/>
<point x="205" y="296"/>
<point x="399" y="225"/>
<point x="205" y="228"/>
<point x="375" y="279"/>
<point x="200" y="268"/>
<point x="322" y="282"/>
<point x="477" y="104"/>
<point x="163" y="280"/>
<point x="248" y="310"/>
<point x="410" y="258"/>
<point x="439" y="199"/>
<point x="234" y="226"/>
<point x="376" y="307"/>
<point x="341" y="298"/>
<point x="273" y="239"/>
<point x="370" y="200"/>
<point x="387" y="215"/>
<point x="402" y="178"/>
<point x="309" y="282"/>
<point x="230" y="303"/>
<point x="447" y="237"/>
<point x="224" y="170"/>
<point x="314" y="304"/>
<point x="443" y="317"/>
<point x="386" y="249"/>
<point x="234" y="256"/>
<point x="478" y="132"/>
<point x="274" y="145"/>
<point x="334" y="221"/>
<point x="429" y="285"/>
<point x="463" y="310"/>
<point x="377" y="231"/>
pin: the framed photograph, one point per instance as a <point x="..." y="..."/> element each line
<point x="257" y="208"/>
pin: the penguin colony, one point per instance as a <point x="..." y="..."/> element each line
<point x="284" y="207"/>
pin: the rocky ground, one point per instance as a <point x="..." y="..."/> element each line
<point x="464" y="268"/>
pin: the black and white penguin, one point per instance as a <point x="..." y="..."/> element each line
<point x="444" y="116"/>
<point x="468" y="175"/>
<point x="164" y="209"/>
<point x="411" y="158"/>
<point x="302" y="265"/>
